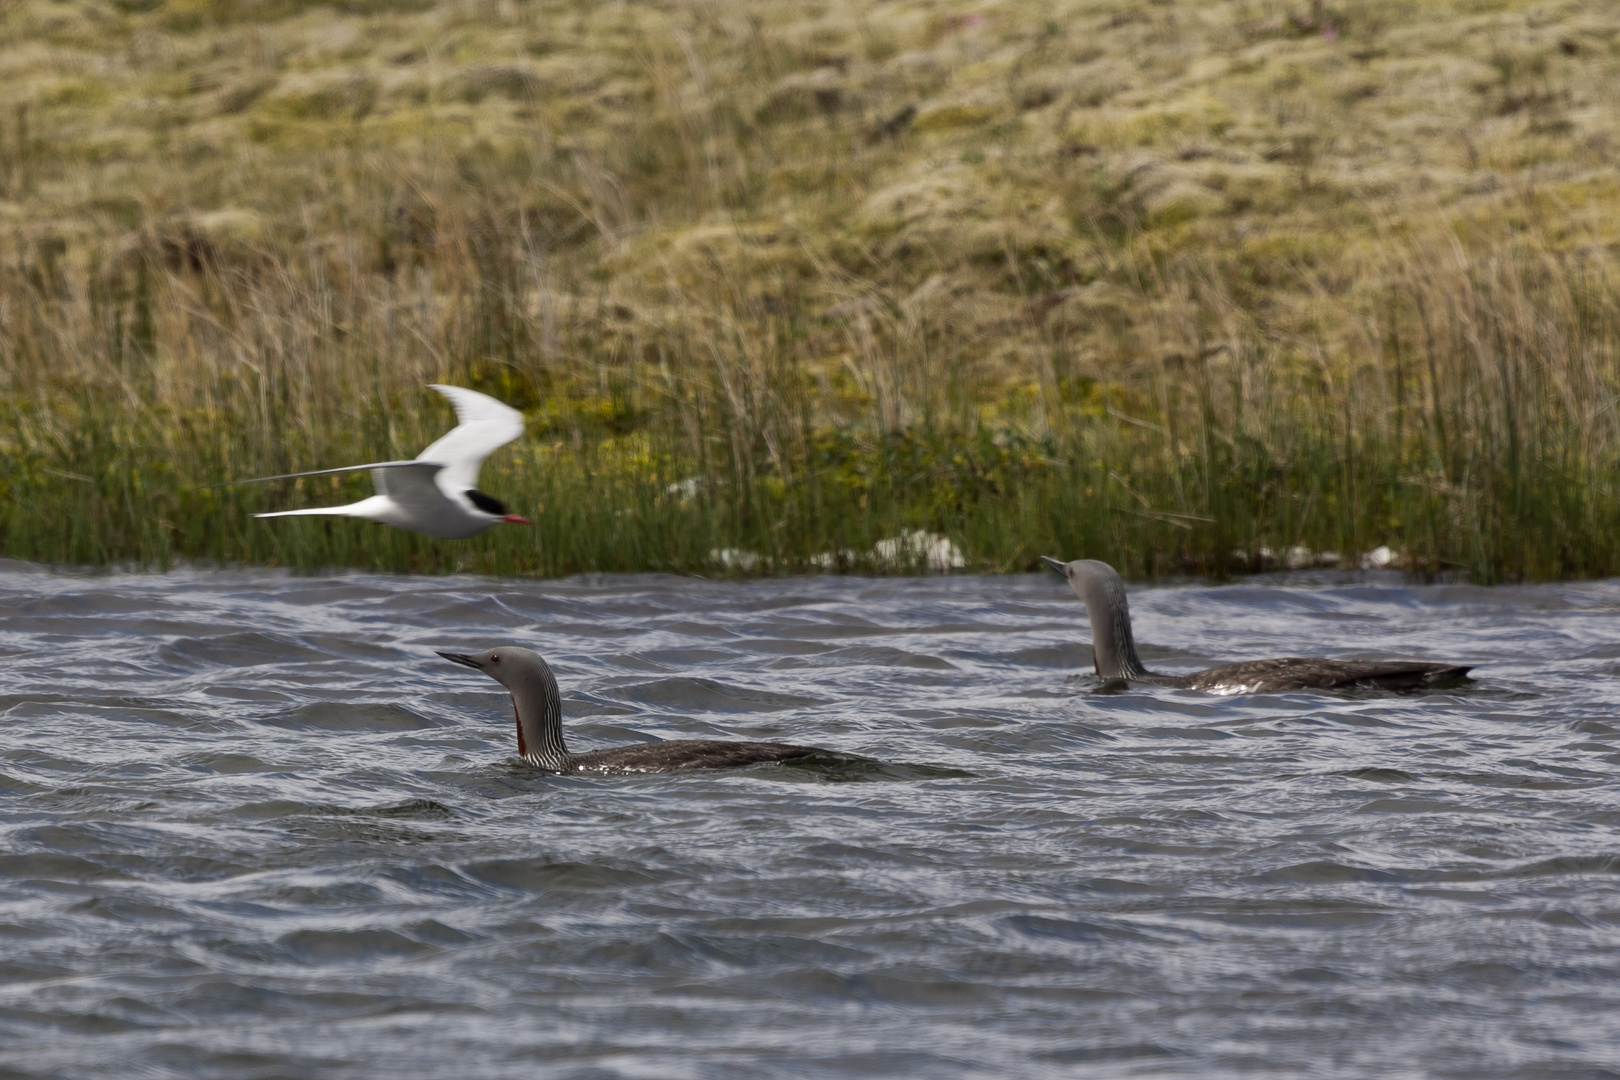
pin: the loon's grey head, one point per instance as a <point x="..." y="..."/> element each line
<point x="507" y="665"/>
<point x="1083" y="572"/>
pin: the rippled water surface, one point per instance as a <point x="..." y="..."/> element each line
<point x="253" y="827"/>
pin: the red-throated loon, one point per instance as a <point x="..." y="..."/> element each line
<point x="538" y="706"/>
<point x="1114" y="651"/>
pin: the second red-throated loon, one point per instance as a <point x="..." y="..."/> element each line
<point x="1114" y="651"/>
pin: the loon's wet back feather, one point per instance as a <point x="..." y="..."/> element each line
<point x="1313" y="673"/>
<point x="677" y="754"/>
<point x="538" y="706"/>
<point x="1114" y="651"/>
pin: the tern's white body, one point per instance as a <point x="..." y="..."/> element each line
<point x="436" y="494"/>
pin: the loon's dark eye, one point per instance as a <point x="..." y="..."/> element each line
<point x="495" y="658"/>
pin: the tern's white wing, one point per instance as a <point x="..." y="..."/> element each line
<point x="420" y="505"/>
<point x="323" y="472"/>
<point x="413" y="488"/>
<point x="486" y="426"/>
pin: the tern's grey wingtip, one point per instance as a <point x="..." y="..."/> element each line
<point x="1058" y="567"/>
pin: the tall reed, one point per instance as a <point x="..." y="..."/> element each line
<point x="1468" y="418"/>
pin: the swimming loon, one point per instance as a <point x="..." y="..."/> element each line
<point x="1114" y="651"/>
<point x="538" y="707"/>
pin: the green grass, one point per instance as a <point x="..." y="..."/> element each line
<point x="1482" y="438"/>
<point x="1149" y="283"/>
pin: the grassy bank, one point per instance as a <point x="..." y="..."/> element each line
<point x="1155" y="283"/>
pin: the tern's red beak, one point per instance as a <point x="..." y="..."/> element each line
<point x="513" y="519"/>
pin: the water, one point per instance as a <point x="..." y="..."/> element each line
<point x="254" y="828"/>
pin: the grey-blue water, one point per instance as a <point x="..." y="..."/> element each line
<point x="253" y="827"/>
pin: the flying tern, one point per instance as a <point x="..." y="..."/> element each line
<point x="436" y="494"/>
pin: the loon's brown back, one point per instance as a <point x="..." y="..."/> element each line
<point x="677" y="755"/>
<point x="1315" y="673"/>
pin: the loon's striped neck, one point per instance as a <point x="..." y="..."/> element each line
<point x="538" y="707"/>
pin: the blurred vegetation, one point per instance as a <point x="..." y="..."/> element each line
<point x="1161" y="283"/>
